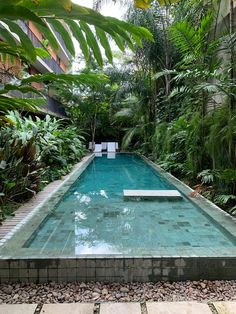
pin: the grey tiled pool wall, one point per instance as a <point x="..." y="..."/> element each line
<point x="116" y="269"/>
<point x="172" y="263"/>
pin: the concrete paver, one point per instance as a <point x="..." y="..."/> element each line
<point x="17" y="308"/>
<point x="228" y="307"/>
<point x="68" y="308"/>
<point x="151" y="194"/>
<point x="177" y="308"/>
<point x="225" y="307"/>
<point x="120" y="308"/>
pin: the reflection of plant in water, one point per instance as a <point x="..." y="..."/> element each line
<point x="111" y="227"/>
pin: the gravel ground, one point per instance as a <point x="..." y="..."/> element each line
<point x="98" y="292"/>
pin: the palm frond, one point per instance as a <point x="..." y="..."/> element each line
<point x="61" y="17"/>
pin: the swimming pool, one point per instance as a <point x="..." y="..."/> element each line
<point x="93" y="217"/>
<point x="89" y="223"/>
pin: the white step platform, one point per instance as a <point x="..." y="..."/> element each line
<point x="151" y="194"/>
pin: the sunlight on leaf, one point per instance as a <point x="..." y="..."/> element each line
<point x="142" y="4"/>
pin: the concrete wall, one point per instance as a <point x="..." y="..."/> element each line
<point x="54" y="54"/>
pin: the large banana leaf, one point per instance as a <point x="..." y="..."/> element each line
<point x="68" y="18"/>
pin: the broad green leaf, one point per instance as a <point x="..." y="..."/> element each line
<point x="142" y="32"/>
<point x="78" y="34"/>
<point x="118" y="41"/>
<point x="12" y="59"/>
<point x="67" y="10"/>
<point x="77" y="79"/>
<point x="122" y="32"/>
<point x="4" y="57"/>
<point x="105" y="43"/>
<point x="92" y="42"/>
<point x="7" y="36"/>
<point x="62" y="9"/>
<point x="7" y="103"/>
<point x="22" y="89"/>
<point x="24" y="39"/>
<point x="17" y="12"/>
<point x="57" y="25"/>
<point x="137" y="40"/>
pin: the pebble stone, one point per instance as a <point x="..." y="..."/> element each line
<point x="203" y="290"/>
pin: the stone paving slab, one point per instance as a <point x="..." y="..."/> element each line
<point x="151" y="194"/>
<point x="120" y="308"/>
<point x="177" y="308"/>
<point x="69" y="308"/>
<point x="17" y="308"/>
<point x="225" y="307"/>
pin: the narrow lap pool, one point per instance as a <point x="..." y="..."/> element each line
<point x="93" y="217"/>
<point x="87" y="231"/>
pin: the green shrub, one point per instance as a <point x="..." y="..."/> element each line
<point x="32" y="151"/>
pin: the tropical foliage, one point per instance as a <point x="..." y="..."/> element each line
<point x="66" y="18"/>
<point x="24" y="86"/>
<point x="88" y="27"/>
<point x="33" y="152"/>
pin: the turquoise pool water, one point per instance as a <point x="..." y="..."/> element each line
<point x="93" y="218"/>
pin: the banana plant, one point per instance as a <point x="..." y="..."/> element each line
<point x="88" y="27"/>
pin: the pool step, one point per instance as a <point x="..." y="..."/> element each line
<point x="151" y="194"/>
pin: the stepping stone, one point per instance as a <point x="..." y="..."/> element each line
<point x="225" y="307"/>
<point x="120" y="308"/>
<point x="151" y="194"/>
<point x="67" y="308"/>
<point x="17" y="308"/>
<point x="177" y="308"/>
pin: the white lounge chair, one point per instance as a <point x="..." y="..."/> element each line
<point x="104" y="145"/>
<point x="111" y="147"/>
<point x="117" y="146"/>
<point x="97" y="148"/>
